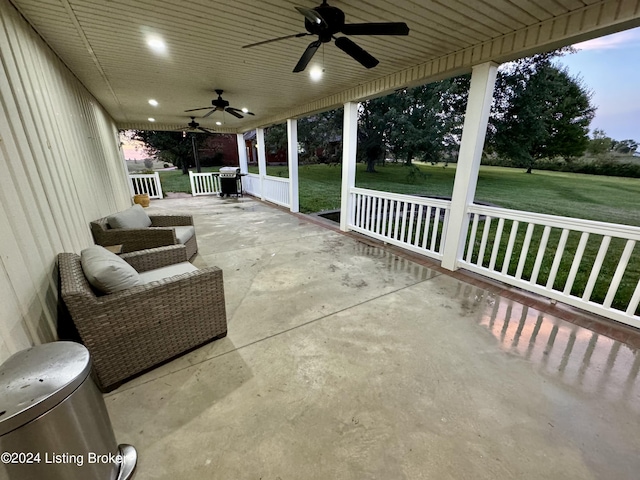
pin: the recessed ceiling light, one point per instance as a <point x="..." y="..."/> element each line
<point x="315" y="73"/>
<point x="153" y="102"/>
<point x="218" y="123"/>
<point x="151" y="119"/>
<point x="157" y="44"/>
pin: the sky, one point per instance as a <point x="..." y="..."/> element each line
<point x="610" y="67"/>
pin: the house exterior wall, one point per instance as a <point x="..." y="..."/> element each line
<point x="60" y="167"/>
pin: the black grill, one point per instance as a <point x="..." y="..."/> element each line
<point x="230" y="181"/>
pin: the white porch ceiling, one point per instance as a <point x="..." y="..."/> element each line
<point x="104" y="43"/>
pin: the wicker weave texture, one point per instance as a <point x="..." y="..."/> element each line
<point x="129" y="332"/>
<point x="134" y="239"/>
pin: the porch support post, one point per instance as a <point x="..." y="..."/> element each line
<point x="483" y="78"/>
<point x="292" y="146"/>
<point x="242" y="154"/>
<point x="349" y="148"/>
<point x="262" y="159"/>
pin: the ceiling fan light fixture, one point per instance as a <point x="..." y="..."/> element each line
<point x="156" y="44"/>
<point x="316" y="73"/>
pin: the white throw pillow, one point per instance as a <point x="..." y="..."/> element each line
<point x="107" y="272"/>
<point x="134" y="217"/>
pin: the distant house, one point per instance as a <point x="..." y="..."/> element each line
<point x="275" y="158"/>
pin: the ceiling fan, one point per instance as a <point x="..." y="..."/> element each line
<point x="194" y="126"/>
<point x="223" y="106"/>
<point x="325" y="21"/>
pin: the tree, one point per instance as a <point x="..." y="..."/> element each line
<point x="625" y="147"/>
<point x="599" y="143"/>
<point x="171" y="147"/>
<point x="542" y="112"/>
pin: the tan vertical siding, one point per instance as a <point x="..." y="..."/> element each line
<point x="60" y="167"/>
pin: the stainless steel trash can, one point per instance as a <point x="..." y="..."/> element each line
<point x="54" y="423"/>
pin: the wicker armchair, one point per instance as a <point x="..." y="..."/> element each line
<point x="159" y="234"/>
<point x="131" y="331"/>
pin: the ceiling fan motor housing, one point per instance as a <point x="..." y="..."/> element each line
<point x="334" y="18"/>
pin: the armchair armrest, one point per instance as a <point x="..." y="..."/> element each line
<point x="152" y="258"/>
<point x="171" y="220"/>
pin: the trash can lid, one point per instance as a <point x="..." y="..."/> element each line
<point x="35" y="380"/>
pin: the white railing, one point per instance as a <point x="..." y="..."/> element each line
<point x="414" y="223"/>
<point x="251" y="184"/>
<point x="206" y="183"/>
<point x="546" y="254"/>
<point x="148" y="183"/>
<point x="276" y="190"/>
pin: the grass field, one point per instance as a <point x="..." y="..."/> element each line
<point x="608" y="199"/>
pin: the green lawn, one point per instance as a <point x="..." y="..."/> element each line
<point x="608" y="199"/>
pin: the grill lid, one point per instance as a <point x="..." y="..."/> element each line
<point x="231" y="170"/>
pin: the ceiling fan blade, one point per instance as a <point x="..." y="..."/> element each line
<point x="382" y="28"/>
<point x="233" y="112"/>
<point x="209" y="113"/>
<point x="307" y="56"/>
<point x="276" y="39"/>
<point x="360" y="55"/>
<point x="194" y="109"/>
<point x="312" y="16"/>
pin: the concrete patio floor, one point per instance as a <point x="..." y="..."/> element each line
<point x="347" y="360"/>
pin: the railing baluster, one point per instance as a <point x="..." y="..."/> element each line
<point x="385" y="220"/>
<point x="391" y="220"/>
<point x="483" y="241"/>
<point x="472" y="237"/>
<point x="540" y="256"/>
<point x="575" y="265"/>
<point x="427" y="225"/>
<point x="510" y="244"/>
<point x="378" y="211"/>
<point x="525" y="250"/>
<point x="617" y="276"/>
<point x="404" y="221"/>
<point x="635" y="300"/>
<point x="557" y="259"/>
<point x="496" y="244"/>
<point x="597" y="265"/>
<point x="411" y="220"/>
<point x="434" y="231"/>
<point x="396" y="223"/>
<point x="416" y="240"/>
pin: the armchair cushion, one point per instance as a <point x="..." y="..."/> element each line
<point x="183" y="234"/>
<point x="167" y="272"/>
<point x="106" y="272"/>
<point x="134" y="217"/>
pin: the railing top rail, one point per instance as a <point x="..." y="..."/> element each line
<point x="427" y="201"/>
<point x="143" y="175"/>
<point x="277" y="179"/>
<point x="589" y="226"/>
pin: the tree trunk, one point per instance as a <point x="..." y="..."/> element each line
<point x="371" y="165"/>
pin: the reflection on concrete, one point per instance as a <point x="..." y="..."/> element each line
<point x="579" y="357"/>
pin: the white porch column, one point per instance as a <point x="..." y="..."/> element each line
<point x="349" y="148"/>
<point x="242" y="154"/>
<point x="262" y="159"/>
<point x="292" y="147"/>
<point x="474" y="130"/>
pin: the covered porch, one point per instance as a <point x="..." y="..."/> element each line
<point x="348" y="359"/>
<point x="345" y="358"/>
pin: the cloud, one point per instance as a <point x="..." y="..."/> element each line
<point x="626" y="39"/>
